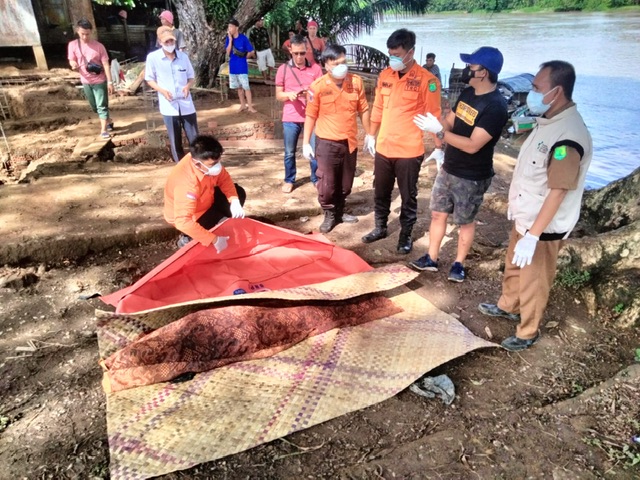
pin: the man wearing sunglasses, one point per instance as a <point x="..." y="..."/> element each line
<point x="200" y="192"/>
<point x="293" y="78"/>
<point x="470" y="131"/>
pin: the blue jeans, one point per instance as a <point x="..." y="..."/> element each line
<point x="174" y="129"/>
<point x="292" y="131"/>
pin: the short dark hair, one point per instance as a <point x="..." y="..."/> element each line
<point x="292" y="30"/>
<point x="493" y="76"/>
<point x="333" y="51"/>
<point x="235" y="22"/>
<point x="563" y="74"/>
<point x="84" y="23"/>
<point x="205" y="147"/>
<point x="431" y="55"/>
<point x="299" y="40"/>
<point x="402" y="38"/>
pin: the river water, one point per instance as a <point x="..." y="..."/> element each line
<point x="604" y="48"/>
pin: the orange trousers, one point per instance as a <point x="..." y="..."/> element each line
<point x="526" y="290"/>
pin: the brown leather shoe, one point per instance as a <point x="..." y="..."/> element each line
<point x="287" y="188"/>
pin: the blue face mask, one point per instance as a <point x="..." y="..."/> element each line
<point x="396" y="63"/>
<point x="536" y="104"/>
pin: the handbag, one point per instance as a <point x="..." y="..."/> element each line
<point x="236" y="52"/>
<point x="92" y="67"/>
<point x="317" y="54"/>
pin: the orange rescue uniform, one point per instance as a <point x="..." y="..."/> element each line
<point x="188" y="194"/>
<point x="335" y="109"/>
<point x="397" y="101"/>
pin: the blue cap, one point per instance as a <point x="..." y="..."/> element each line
<point x="489" y="57"/>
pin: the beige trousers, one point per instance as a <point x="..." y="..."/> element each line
<point x="526" y="290"/>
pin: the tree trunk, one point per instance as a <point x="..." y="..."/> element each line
<point x="609" y="249"/>
<point x="205" y="43"/>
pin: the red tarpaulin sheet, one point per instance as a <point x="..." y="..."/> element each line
<point x="259" y="257"/>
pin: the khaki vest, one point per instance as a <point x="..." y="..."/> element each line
<point x="529" y="187"/>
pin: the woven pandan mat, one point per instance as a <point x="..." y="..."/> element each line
<point x="166" y="427"/>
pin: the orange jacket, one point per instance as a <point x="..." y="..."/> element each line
<point x="335" y="109"/>
<point x="188" y="194"/>
<point x="397" y="101"/>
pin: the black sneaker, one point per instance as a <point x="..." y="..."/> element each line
<point x="183" y="240"/>
<point x="424" y="263"/>
<point x="456" y="274"/>
<point x="495" y="311"/>
<point x="514" y="344"/>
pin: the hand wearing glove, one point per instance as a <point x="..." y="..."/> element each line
<point x="221" y="244"/>
<point x="525" y="248"/>
<point x="438" y="156"/>
<point x="370" y="144"/>
<point x="429" y="123"/>
<point x="307" y="151"/>
<point x="236" y="209"/>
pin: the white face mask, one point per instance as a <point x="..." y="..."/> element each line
<point x="340" y="71"/>
<point x="396" y="63"/>
<point x="212" y="171"/>
<point x="169" y="48"/>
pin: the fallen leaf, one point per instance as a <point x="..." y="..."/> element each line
<point x="552" y="324"/>
<point x="487" y="330"/>
<point x="477" y="383"/>
<point x="580" y="329"/>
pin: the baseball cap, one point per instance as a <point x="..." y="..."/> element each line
<point x="165" y="33"/>
<point x="489" y="57"/>
<point x="235" y="22"/>
<point x="312" y="23"/>
<point x="167" y="15"/>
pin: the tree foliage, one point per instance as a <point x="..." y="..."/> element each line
<point x="117" y="3"/>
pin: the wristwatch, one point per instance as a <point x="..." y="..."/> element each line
<point x="440" y="134"/>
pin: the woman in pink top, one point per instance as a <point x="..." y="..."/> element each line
<point x="314" y="42"/>
<point x="87" y="56"/>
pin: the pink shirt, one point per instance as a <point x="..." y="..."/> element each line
<point x="295" y="111"/>
<point x="92" y="51"/>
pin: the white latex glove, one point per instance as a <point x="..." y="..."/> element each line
<point x="525" y="248"/>
<point x="429" y="123"/>
<point x="307" y="151"/>
<point x="370" y="144"/>
<point x="438" y="156"/>
<point x="221" y="244"/>
<point x="236" y="209"/>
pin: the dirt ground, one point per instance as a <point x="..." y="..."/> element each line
<point x="567" y="408"/>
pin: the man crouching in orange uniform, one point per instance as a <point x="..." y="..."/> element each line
<point x="200" y="192"/>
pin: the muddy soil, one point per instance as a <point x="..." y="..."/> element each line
<point x="557" y="410"/>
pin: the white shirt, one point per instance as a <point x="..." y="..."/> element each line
<point x="172" y="75"/>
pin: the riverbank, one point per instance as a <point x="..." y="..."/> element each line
<point x="85" y="221"/>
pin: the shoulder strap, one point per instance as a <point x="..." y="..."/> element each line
<point x="294" y="74"/>
<point x="82" y="54"/>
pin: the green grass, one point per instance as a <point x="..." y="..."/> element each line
<point x="571" y="278"/>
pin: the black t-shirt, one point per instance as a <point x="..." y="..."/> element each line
<point x="489" y="112"/>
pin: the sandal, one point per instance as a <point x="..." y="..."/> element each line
<point x="105" y="135"/>
<point x="110" y="127"/>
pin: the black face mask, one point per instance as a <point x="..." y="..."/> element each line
<point x="467" y="74"/>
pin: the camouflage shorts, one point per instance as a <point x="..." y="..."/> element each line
<point x="451" y="194"/>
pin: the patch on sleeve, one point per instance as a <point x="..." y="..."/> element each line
<point x="433" y="85"/>
<point x="560" y="152"/>
<point x="191" y="196"/>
